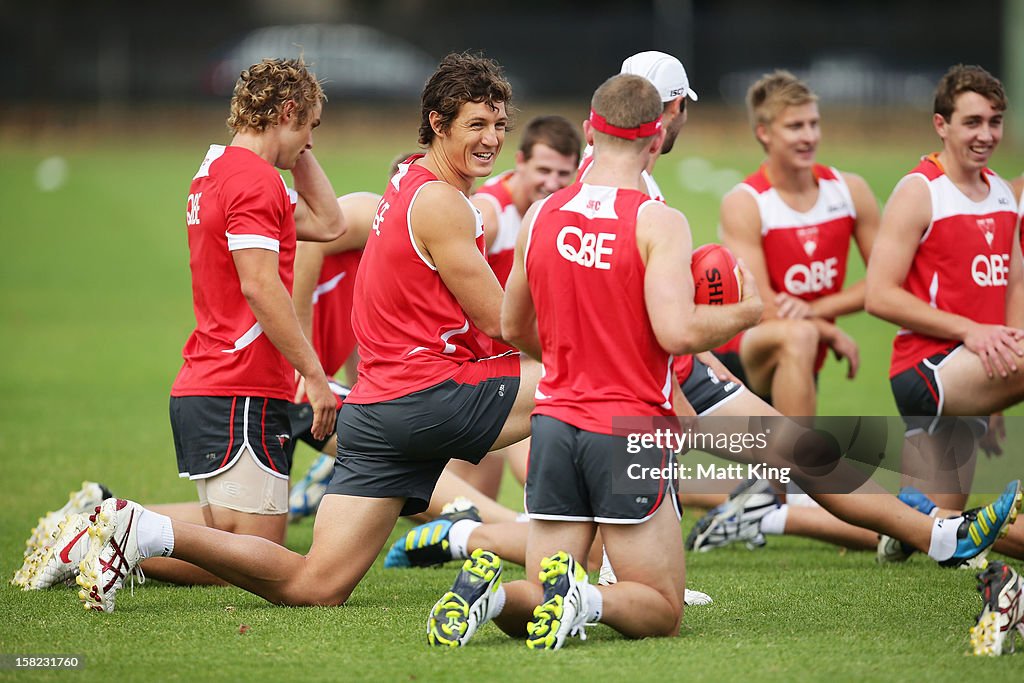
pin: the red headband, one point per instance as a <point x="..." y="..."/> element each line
<point x="644" y="130"/>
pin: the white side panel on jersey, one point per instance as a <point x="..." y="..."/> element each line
<point x="328" y="286"/>
<point x="293" y="196"/>
<point x="251" y="335"/>
<point x="509" y="221"/>
<point x="396" y="180"/>
<point x="408" y="219"/>
<point x="477" y="216"/>
<point x="215" y="152"/>
<point x="448" y="346"/>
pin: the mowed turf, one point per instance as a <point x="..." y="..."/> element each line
<point x="94" y="305"/>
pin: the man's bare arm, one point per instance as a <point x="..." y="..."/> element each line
<point x="317" y="216"/>
<point x="267" y="297"/>
<point x="444" y="227"/>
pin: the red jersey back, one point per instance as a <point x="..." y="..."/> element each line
<point x="412" y="332"/>
<point x="683" y="364"/>
<point x="237" y="200"/>
<point x="584" y="270"/>
<point x="963" y="260"/>
<point x="333" y="338"/>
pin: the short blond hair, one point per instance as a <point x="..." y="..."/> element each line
<point x="263" y="89"/>
<point x="772" y="93"/>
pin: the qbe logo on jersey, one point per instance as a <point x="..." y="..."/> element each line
<point x="990" y="270"/>
<point x="192" y="209"/>
<point x="817" y="276"/>
<point x="585" y="249"/>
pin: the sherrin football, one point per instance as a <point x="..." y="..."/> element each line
<point x="716" y="277"/>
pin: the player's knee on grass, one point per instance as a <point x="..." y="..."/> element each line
<point x="304" y="593"/>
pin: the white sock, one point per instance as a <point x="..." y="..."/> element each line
<point x="155" y="534"/>
<point x="774" y="522"/>
<point x="943" y="543"/>
<point x="595" y="603"/>
<point x="497" y="602"/>
<point x="458" y="537"/>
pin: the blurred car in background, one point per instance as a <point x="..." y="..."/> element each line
<point x="351" y="60"/>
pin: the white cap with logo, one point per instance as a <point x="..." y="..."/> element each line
<point x="664" y="71"/>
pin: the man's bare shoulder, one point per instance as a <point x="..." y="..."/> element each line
<point x="739" y="209"/>
<point x="440" y="197"/>
<point x="438" y="208"/>
<point x="659" y="212"/>
<point x="658" y="221"/>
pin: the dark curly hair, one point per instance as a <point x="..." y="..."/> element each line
<point x="461" y="78"/>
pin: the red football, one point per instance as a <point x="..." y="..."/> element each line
<point x="716" y="277"/>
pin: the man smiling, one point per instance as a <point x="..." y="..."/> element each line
<point x="426" y="392"/>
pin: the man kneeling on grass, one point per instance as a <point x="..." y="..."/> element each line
<point x="599" y="257"/>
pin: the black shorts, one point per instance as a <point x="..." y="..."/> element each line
<point x="300" y="415"/>
<point x="210" y="432"/>
<point x="398" y="448"/>
<point x="705" y="391"/>
<point x="920" y="396"/>
<point x="731" y="361"/>
<point x="573" y="476"/>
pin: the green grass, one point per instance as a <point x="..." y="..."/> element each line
<point x="94" y="306"/>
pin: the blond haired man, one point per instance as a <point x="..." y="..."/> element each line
<point x="792" y="222"/>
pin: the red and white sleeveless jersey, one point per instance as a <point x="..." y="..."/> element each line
<point x="502" y="251"/>
<point x="600" y="356"/>
<point x="333" y="338"/>
<point x="805" y="251"/>
<point x="962" y="261"/>
<point x="237" y="200"/>
<point x="412" y="332"/>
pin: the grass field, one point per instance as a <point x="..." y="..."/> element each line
<point x="94" y="306"/>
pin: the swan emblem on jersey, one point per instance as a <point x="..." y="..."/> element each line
<point x="809" y="238"/>
<point x="988" y="229"/>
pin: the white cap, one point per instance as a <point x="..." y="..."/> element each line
<point x="664" y="71"/>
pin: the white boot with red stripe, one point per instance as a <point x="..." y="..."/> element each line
<point x="56" y="560"/>
<point x="113" y="553"/>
